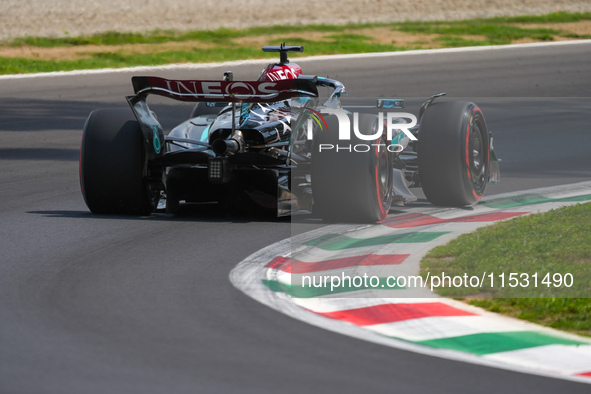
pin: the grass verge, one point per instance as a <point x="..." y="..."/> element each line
<point x="116" y="49"/>
<point x="558" y="241"/>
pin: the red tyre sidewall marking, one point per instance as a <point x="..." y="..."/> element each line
<point x="383" y="213"/>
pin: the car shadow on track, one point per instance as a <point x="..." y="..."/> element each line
<point x="212" y="212"/>
<point x="187" y="213"/>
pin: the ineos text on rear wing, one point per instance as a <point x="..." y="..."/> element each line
<point x="225" y="91"/>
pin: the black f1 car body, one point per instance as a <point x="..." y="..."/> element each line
<point x="275" y="143"/>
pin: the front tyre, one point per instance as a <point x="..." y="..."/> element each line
<point x="113" y="164"/>
<point x="454" y="153"/>
<point x="352" y="180"/>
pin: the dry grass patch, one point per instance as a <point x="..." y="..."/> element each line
<point x="71" y="53"/>
<point x="378" y="35"/>
<point x="580" y="28"/>
<point x="388" y="36"/>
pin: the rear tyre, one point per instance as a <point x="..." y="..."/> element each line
<point x="113" y="164"/>
<point x="353" y="185"/>
<point x="454" y="153"/>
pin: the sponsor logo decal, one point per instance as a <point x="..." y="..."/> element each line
<point x="217" y="89"/>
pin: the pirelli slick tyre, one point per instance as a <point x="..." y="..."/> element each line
<point x="352" y="180"/>
<point x="454" y="153"/>
<point x="113" y="163"/>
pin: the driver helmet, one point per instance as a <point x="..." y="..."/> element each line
<point x="278" y="71"/>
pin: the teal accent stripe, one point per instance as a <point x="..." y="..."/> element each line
<point x="334" y="242"/>
<point x="530" y="199"/>
<point x="496" y="342"/>
<point x="205" y="134"/>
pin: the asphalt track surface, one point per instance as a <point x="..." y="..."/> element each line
<point x="124" y="304"/>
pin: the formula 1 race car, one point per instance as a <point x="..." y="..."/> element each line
<point x="276" y="144"/>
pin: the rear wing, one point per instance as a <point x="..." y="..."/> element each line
<point x="211" y="91"/>
<point x="225" y="91"/>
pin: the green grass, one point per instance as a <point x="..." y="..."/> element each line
<point x="569" y="314"/>
<point x="222" y="44"/>
<point x="558" y="241"/>
<point x="555" y="17"/>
